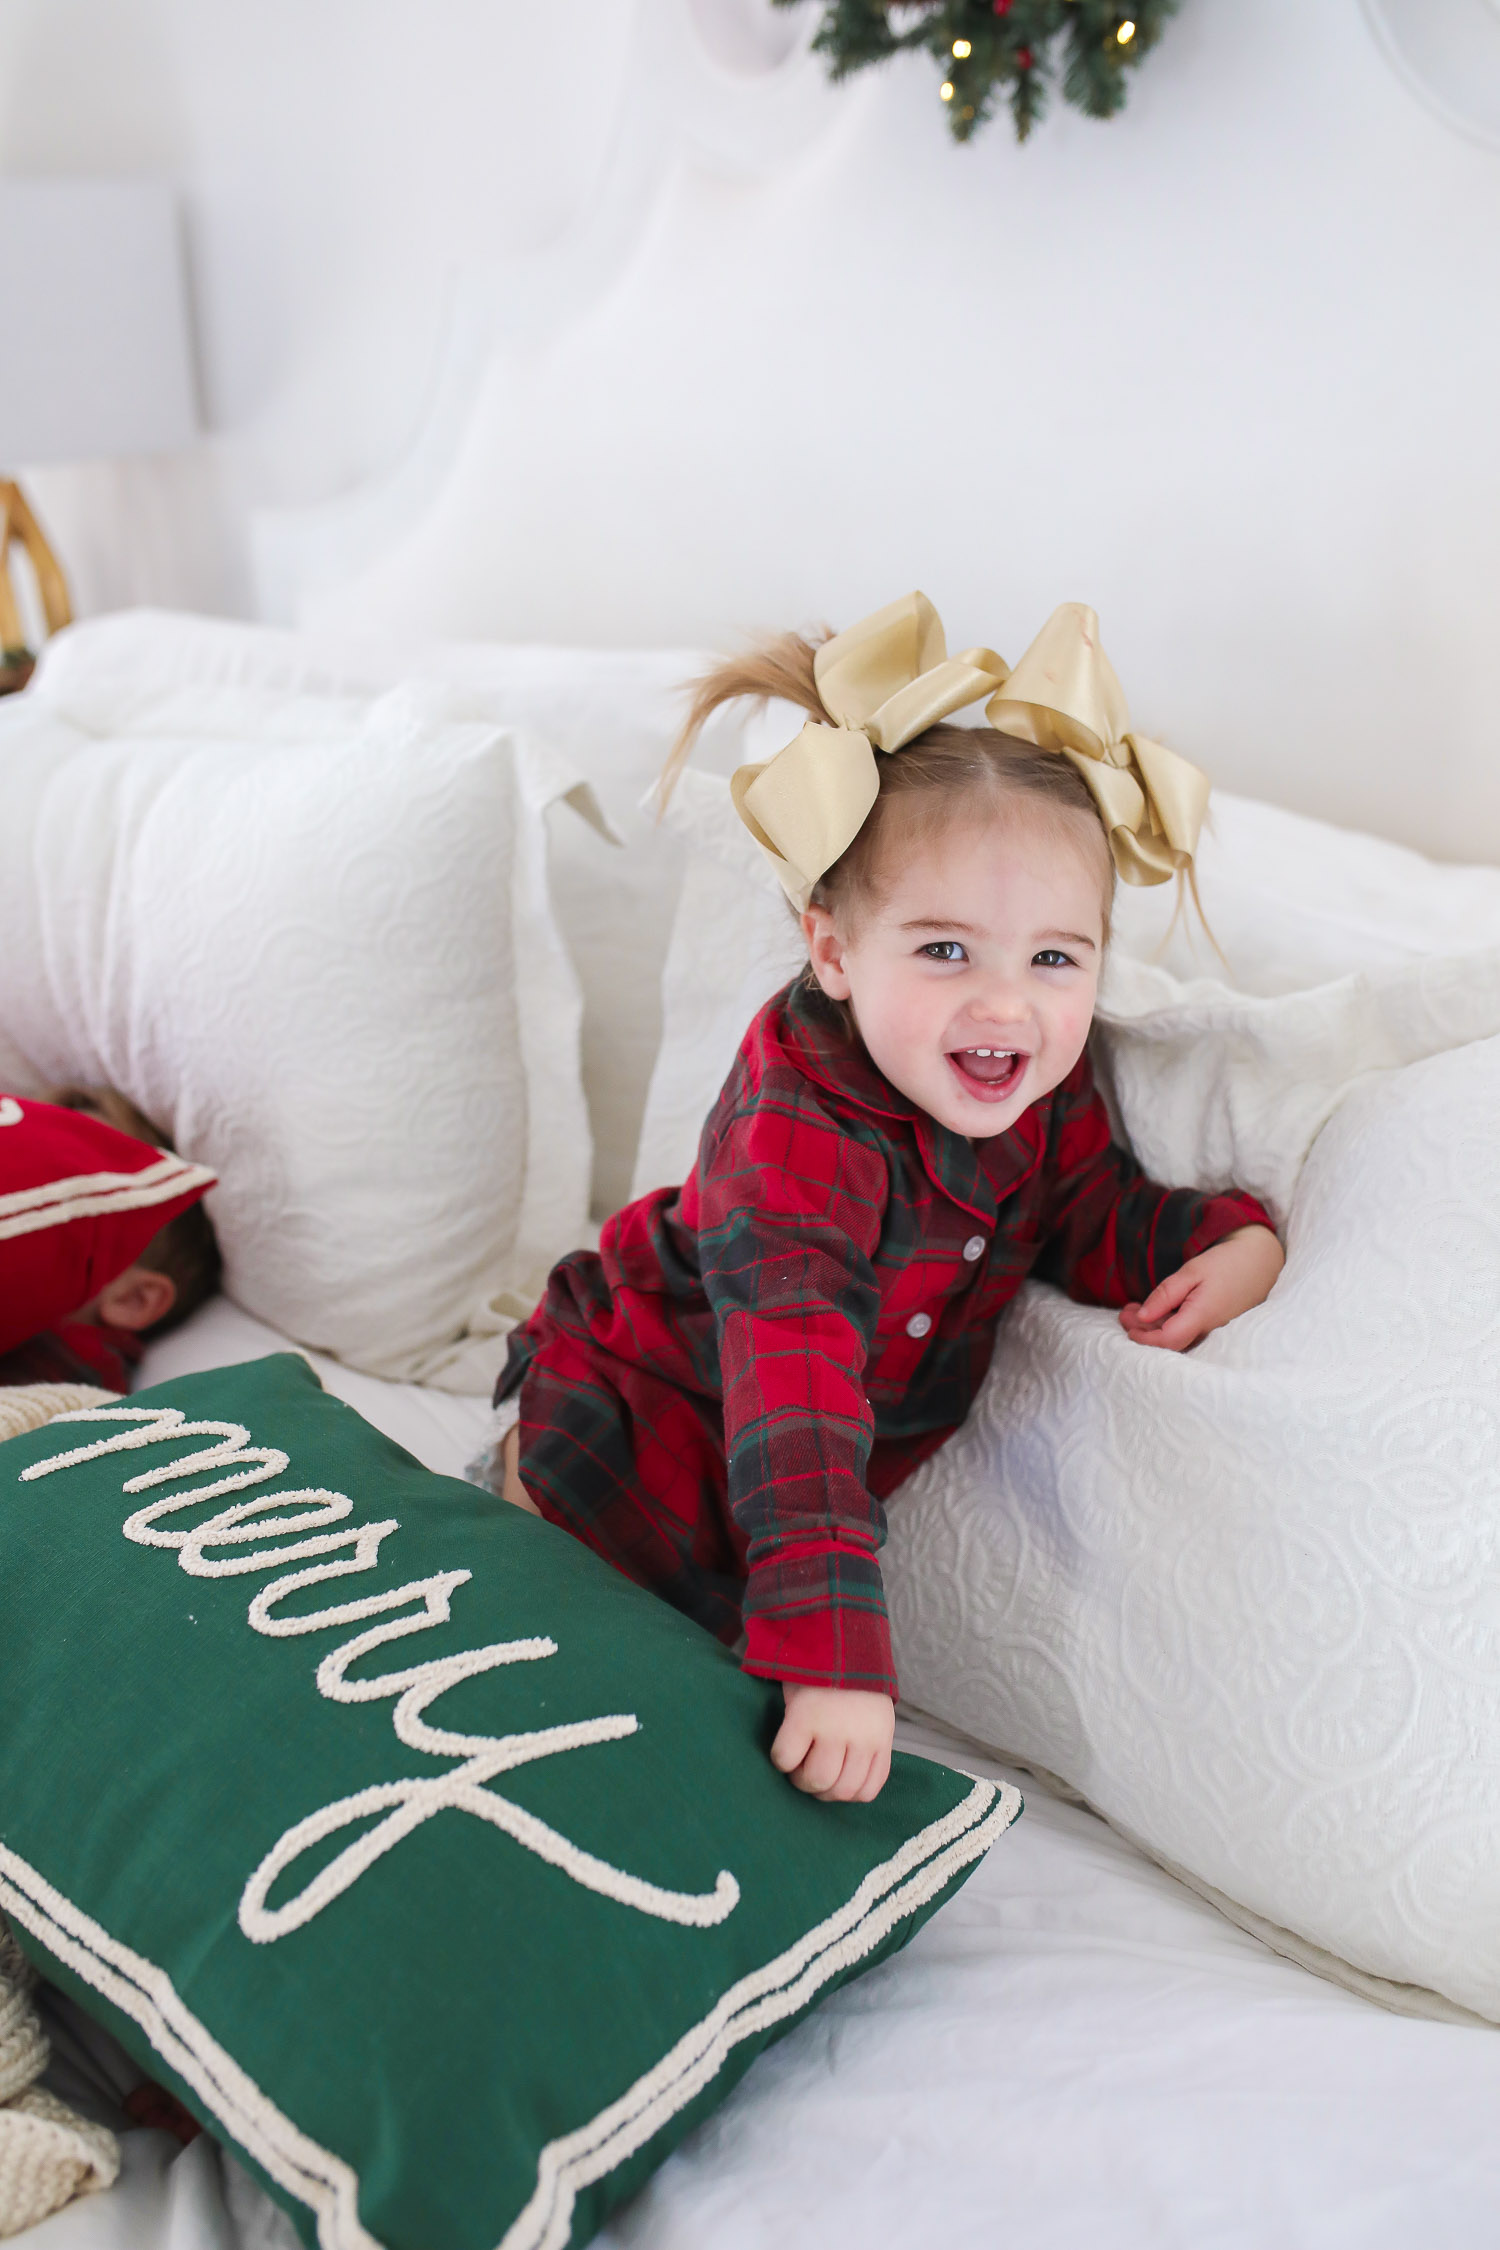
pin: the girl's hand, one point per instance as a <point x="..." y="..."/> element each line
<point x="835" y="1742"/>
<point x="1219" y="1283"/>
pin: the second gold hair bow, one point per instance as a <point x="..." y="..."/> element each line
<point x="1064" y="696"/>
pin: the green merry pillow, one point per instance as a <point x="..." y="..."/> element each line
<point x="439" y="1869"/>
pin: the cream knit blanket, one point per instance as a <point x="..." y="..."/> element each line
<point x="26" y="1406"/>
<point x="48" y="2154"/>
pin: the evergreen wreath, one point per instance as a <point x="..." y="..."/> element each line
<point x="992" y="50"/>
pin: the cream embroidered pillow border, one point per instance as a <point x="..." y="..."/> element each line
<point x="436" y="1867"/>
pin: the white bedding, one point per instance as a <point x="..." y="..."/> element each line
<point x="441" y="1428"/>
<point x="1076" y="2052"/>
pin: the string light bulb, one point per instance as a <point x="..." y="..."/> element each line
<point x="1126" y="32"/>
<point x="962" y="50"/>
<point x="945" y="91"/>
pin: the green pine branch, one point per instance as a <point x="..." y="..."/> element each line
<point x="993" y="51"/>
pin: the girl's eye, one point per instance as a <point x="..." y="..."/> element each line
<point x="1051" y="958"/>
<point x="944" y="949"/>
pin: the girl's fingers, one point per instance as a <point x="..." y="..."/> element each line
<point x="865" y="1774"/>
<point x="842" y="1786"/>
<point x="876" y="1779"/>
<point x="1168" y="1293"/>
<point x="840" y="1754"/>
<point x="1176" y="1333"/>
<point x="861" y="1776"/>
<point x="793" y="1741"/>
<point x="1168" y="1320"/>
<point x="820" y="1769"/>
<point x="854" y="1782"/>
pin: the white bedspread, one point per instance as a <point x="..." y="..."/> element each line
<point x="1076" y="2054"/>
<point x="441" y="1428"/>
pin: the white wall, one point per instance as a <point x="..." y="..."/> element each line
<point x="1227" y="367"/>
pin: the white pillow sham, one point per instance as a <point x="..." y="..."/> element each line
<point x="312" y="938"/>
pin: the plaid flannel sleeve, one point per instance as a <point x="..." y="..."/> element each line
<point x="1110" y="1234"/>
<point x="791" y="1217"/>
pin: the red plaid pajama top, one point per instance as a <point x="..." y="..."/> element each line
<point x="719" y="1399"/>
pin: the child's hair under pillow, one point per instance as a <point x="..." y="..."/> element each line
<point x="187" y="1249"/>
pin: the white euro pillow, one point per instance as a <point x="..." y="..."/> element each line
<point x="312" y="939"/>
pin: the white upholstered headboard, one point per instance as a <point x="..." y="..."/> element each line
<point x="1222" y="367"/>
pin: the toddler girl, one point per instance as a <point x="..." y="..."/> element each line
<point x="720" y="1399"/>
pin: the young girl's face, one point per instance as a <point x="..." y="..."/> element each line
<point x="973" y="978"/>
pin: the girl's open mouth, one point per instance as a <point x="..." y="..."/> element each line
<point x="989" y="1072"/>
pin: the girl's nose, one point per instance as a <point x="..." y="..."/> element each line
<point x="1001" y="1001"/>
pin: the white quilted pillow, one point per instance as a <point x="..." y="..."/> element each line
<point x="312" y="939"/>
<point x="1247" y="1599"/>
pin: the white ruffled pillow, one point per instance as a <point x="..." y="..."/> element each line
<point x="312" y="938"/>
<point x="1217" y="1088"/>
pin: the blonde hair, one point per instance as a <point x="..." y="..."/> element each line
<point x="944" y="774"/>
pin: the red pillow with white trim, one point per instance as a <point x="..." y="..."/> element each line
<point x="79" y="1202"/>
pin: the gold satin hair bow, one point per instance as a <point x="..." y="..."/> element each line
<point x="1063" y="695"/>
<point x="887" y="679"/>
